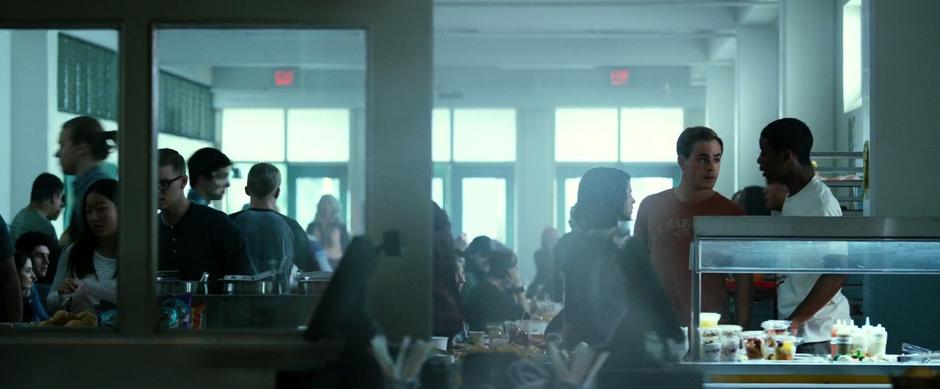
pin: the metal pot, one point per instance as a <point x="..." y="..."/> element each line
<point x="312" y="285"/>
<point x="245" y="287"/>
<point x="313" y="282"/>
<point x="165" y="287"/>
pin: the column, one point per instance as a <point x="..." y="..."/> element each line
<point x="535" y="177"/>
<point x="719" y="116"/>
<point x="904" y="86"/>
<point x="808" y="66"/>
<point x="757" y="88"/>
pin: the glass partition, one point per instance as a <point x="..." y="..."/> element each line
<point x="60" y="208"/>
<point x="819" y="256"/>
<point x="255" y="204"/>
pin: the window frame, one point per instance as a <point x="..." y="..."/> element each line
<point x="459" y="172"/>
<point x="387" y="108"/>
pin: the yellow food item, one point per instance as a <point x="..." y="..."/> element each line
<point x="90" y="321"/>
<point x="75" y="323"/>
<point x="60" y="318"/>
<point x="46" y="323"/>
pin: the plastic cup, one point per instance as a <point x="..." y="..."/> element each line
<point x="476" y="337"/>
<point x="754" y="342"/>
<point x="440" y="342"/>
<point x="708" y="319"/>
<point x="776" y="327"/>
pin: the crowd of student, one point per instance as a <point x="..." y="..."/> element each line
<point x="602" y="275"/>
<point x="44" y="272"/>
<point x="615" y="288"/>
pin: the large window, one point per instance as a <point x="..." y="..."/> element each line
<point x="586" y="135"/>
<point x="309" y="146"/>
<point x="852" y="55"/>
<point x="640" y="141"/>
<point x="474" y="151"/>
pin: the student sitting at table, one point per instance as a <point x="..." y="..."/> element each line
<point x="500" y="297"/>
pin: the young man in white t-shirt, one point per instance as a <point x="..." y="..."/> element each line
<point x="813" y="302"/>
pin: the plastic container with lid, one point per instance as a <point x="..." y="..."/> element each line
<point x="753" y="342"/>
<point x="877" y="341"/>
<point x="841" y="345"/>
<point x="785" y="347"/>
<point x="711" y="350"/>
<point x="709" y="319"/>
<point x="730" y="338"/>
<point x="776" y="327"/>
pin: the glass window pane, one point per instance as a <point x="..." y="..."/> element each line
<point x="318" y="135"/>
<point x="571" y="198"/>
<point x="649" y="134"/>
<point x="484" y="135"/>
<point x="440" y="135"/>
<point x="484" y="207"/>
<point x="437" y="191"/>
<point x="309" y="192"/>
<point x="588" y="135"/>
<point x="270" y="96"/>
<point x="250" y="134"/>
<point x="78" y="75"/>
<point x="643" y="187"/>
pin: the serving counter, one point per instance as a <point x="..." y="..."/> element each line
<point x="811" y="245"/>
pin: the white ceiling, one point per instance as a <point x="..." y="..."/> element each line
<point x="505" y="34"/>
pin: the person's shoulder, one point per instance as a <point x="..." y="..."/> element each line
<point x="208" y="213"/>
<point x="293" y="224"/>
<point x="657" y="199"/>
<point x="726" y="206"/>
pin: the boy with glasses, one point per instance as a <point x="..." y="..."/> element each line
<point x="194" y="239"/>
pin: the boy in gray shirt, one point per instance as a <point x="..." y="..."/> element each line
<point x="273" y="241"/>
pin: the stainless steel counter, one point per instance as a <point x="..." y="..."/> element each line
<point x="284" y="312"/>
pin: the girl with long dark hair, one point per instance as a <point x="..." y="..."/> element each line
<point x="83" y="146"/>
<point x="87" y="271"/>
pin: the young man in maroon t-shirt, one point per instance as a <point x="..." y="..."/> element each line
<point x="664" y="221"/>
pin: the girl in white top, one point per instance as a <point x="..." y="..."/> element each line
<point x="87" y="270"/>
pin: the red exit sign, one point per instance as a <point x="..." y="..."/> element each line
<point x="284" y="77"/>
<point x="619" y="77"/>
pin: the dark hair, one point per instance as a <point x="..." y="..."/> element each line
<point x="82" y="258"/>
<point x="263" y="179"/>
<point x="45" y="186"/>
<point x="790" y="134"/>
<point x="88" y="130"/>
<point x="753" y="199"/>
<point x="204" y="161"/>
<point x="601" y="195"/>
<point x="170" y="157"/>
<point x="481" y="245"/>
<point x="30" y="240"/>
<point x="20" y="258"/>
<point x="501" y="260"/>
<point x="692" y="135"/>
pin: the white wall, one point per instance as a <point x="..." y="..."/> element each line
<point x="719" y="116"/>
<point x="808" y="60"/>
<point x="756" y="83"/>
<point x="6" y="163"/>
<point x="30" y="118"/>
<point x="905" y="88"/>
